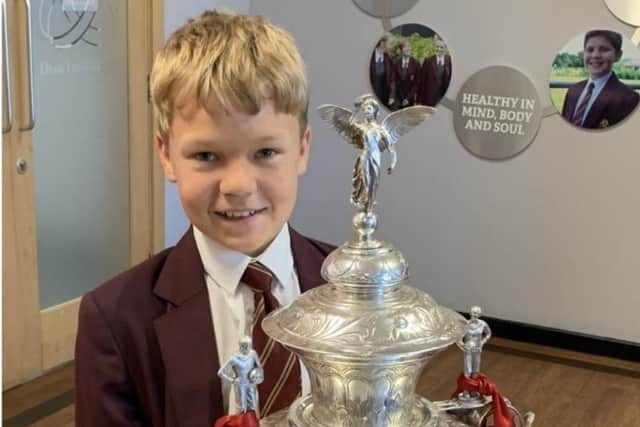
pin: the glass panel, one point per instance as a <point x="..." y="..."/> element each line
<point x="80" y="144"/>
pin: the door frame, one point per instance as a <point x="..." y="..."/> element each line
<point x="34" y="340"/>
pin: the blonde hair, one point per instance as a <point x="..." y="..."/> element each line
<point x="239" y="61"/>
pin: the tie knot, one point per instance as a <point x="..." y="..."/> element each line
<point x="258" y="277"/>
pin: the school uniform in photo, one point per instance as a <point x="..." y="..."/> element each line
<point x="381" y="75"/>
<point x="435" y="77"/>
<point x="612" y="104"/>
<point x="406" y="83"/>
<point x="149" y="342"/>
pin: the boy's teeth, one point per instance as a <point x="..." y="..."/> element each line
<point x="242" y="214"/>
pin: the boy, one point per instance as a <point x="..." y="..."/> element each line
<point x="230" y="96"/>
<point x="435" y="75"/>
<point x="381" y="71"/>
<point x="601" y="100"/>
<point x="406" y="74"/>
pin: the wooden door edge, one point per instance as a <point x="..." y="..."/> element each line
<point x="59" y="325"/>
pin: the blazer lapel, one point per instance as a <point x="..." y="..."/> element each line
<point x="187" y="338"/>
<point x="596" y="113"/>
<point x="572" y="100"/>
<point x="307" y="260"/>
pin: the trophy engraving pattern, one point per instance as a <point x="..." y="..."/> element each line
<point x="412" y="319"/>
<point x="376" y="396"/>
<point x="388" y="267"/>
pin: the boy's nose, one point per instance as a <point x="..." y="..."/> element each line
<point x="238" y="179"/>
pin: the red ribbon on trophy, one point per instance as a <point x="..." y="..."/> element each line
<point x="483" y="385"/>
<point x="247" y="419"/>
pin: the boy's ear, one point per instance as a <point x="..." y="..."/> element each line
<point x="162" y="148"/>
<point x="618" y="55"/>
<point x="305" y="147"/>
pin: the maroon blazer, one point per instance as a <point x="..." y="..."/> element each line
<point x="146" y="351"/>
<point x="406" y="88"/>
<point x="613" y="104"/>
<point x="388" y="68"/>
<point x="382" y="88"/>
<point x="430" y="91"/>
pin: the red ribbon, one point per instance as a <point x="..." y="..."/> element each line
<point x="247" y="419"/>
<point x="483" y="385"/>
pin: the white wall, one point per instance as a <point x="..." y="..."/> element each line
<point x="550" y="237"/>
<point x="176" y="12"/>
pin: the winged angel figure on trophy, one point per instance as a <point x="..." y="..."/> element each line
<point x="362" y="129"/>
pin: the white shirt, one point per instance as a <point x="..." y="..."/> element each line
<point x="379" y="55"/>
<point x="232" y="302"/>
<point x="598" y="85"/>
<point x="439" y="60"/>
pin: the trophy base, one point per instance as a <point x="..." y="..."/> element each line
<point x="426" y="414"/>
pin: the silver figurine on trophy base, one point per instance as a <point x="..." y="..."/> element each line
<point x="244" y="372"/>
<point x="477" y="333"/>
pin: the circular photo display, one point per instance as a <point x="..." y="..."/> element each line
<point x="626" y="10"/>
<point x="595" y="79"/>
<point x="385" y="8"/>
<point x="410" y="65"/>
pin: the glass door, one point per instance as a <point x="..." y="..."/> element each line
<point x="74" y="207"/>
<point x="80" y="144"/>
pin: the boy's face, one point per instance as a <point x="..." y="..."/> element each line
<point x="599" y="56"/>
<point x="237" y="174"/>
<point x="406" y="50"/>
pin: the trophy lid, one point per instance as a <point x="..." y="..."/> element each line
<point x="366" y="310"/>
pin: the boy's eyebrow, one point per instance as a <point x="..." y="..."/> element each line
<point x="199" y="142"/>
<point x="267" y="138"/>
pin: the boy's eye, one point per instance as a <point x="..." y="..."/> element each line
<point x="266" y="153"/>
<point x="205" y="156"/>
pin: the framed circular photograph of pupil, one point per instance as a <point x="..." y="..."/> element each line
<point x="626" y="10"/>
<point x="595" y="80"/>
<point x="410" y="65"/>
<point x="385" y="8"/>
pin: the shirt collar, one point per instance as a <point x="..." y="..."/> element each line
<point x="600" y="81"/>
<point x="226" y="266"/>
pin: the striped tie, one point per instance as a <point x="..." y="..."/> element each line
<point x="281" y="383"/>
<point x="578" y="115"/>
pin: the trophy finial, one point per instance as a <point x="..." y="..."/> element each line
<point x="362" y="129"/>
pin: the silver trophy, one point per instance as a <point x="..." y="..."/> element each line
<point x="366" y="335"/>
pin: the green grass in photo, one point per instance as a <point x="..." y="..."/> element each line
<point x="557" y="98"/>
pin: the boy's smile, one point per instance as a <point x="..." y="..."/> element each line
<point x="599" y="56"/>
<point x="237" y="173"/>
